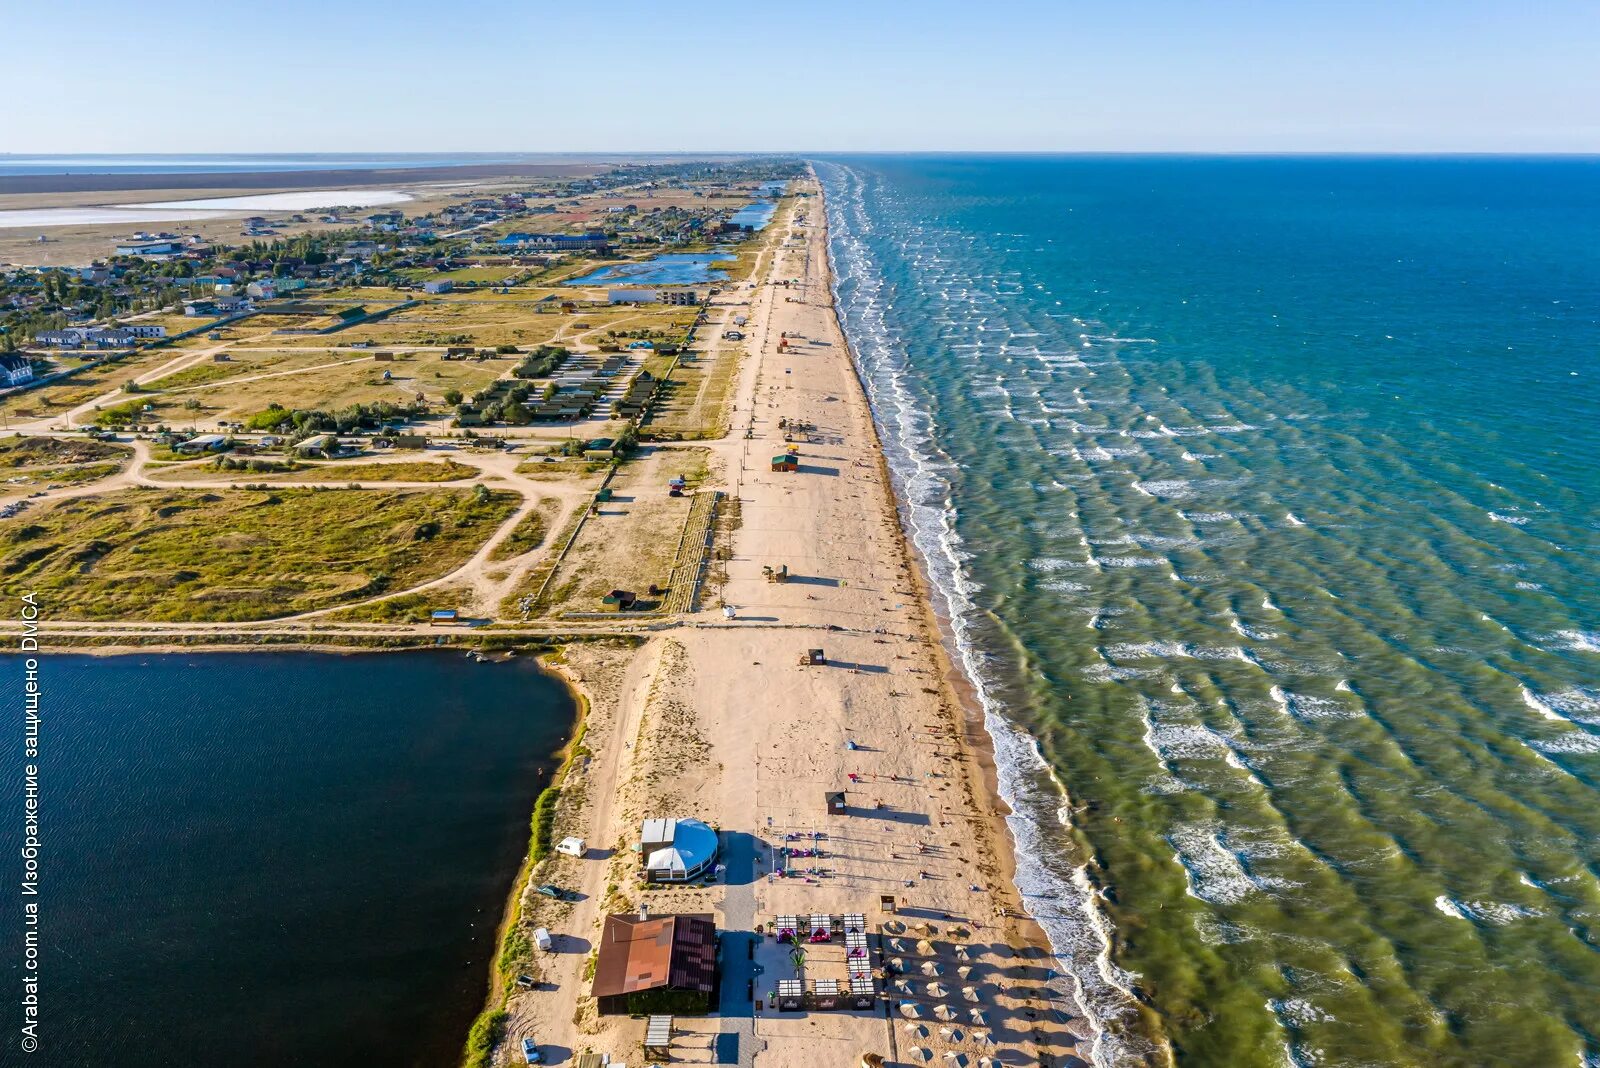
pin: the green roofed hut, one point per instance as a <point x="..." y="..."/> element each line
<point x="787" y="462"/>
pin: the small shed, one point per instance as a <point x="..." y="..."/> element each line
<point x="620" y="600"/>
<point x="813" y="657"/>
<point x="886" y="902"/>
<point x="835" y="802"/>
<point x="442" y="615"/>
<point x="787" y="462"/>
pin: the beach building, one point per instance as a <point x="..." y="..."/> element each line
<point x="15" y="370"/>
<point x="787" y="462"/>
<point x="632" y="296"/>
<point x="153" y="247"/>
<point x="593" y="241"/>
<point x="656" y="964"/>
<point x="676" y="851"/>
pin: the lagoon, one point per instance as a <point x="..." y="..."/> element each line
<point x="294" y="858"/>
<point x="201" y="209"/>
<point x="671" y="268"/>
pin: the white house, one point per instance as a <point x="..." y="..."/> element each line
<point x="15" y="370"/>
<point x="439" y="285"/>
<point x="632" y="296"/>
<point x="154" y="247"/>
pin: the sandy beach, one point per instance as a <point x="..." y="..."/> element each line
<point x="721" y="721"/>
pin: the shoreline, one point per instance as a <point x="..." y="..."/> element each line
<point x="666" y="719"/>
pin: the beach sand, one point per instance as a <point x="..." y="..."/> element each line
<point x="719" y="720"/>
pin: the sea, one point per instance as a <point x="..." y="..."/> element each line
<point x="1263" y="498"/>
<point x="269" y="859"/>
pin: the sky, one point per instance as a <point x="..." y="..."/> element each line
<point x="866" y="75"/>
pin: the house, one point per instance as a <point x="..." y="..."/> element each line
<point x="593" y="241"/>
<point x="318" y="445"/>
<point x="676" y="851"/>
<point x="680" y="297"/>
<point x="153" y="247"/>
<point x="656" y="964"/>
<point x="264" y="289"/>
<point x="787" y="462"/>
<point x="619" y="600"/>
<point x="438" y="285"/>
<point x="15" y="370"/>
<point x="203" y="443"/>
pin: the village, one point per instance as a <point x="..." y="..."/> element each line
<point x="630" y="429"/>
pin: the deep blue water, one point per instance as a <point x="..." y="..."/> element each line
<point x="1265" y="494"/>
<point x="272" y="859"/>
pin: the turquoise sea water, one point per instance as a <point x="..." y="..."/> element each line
<point x="270" y="858"/>
<point x="1264" y="496"/>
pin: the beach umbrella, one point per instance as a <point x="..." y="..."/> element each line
<point x="921" y="1053"/>
<point x="932" y="967"/>
<point x="959" y="1058"/>
<point x="925" y="947"/>
<point x="916" y="1030"/>
<point x="897" y="963"/>
<point x="945" y="1012"/>
<point x="910" y="1010"/>
<point x="902" y="986"/>
<point x="970" y="993"/>
<point x="964" y="971"/>
<point x="897" y="945"/>
<point x="962" y="954"/>
<point x="978" y="1016"/>
<point x="936" y="990"/>
<point x="982" y="1038"/>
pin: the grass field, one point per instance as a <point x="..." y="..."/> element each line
<point x="294" y="471"/>
<point x="191" y="555"/>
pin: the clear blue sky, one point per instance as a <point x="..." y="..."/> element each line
<point x="486" y="75"/>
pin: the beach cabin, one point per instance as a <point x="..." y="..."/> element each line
<point x="813" y="658"/>
<point x="834" y="800"/>
<point x="787" y="462"/>
<point x="620" y="600"/>
<point x="442" y="616"/>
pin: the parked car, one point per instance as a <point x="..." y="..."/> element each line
<point x="530" y="1052"/>
<point x="552" y="890"/>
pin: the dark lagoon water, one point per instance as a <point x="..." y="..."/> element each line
<point x="1265" y="498"/>
<point x="273" y="859"/>
<point x="667" y="269"/>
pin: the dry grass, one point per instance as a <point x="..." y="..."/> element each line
<point x="190" y="555"/>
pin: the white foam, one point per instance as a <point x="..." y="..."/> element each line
<point x="1058" y="893"/>
<point x="1294" y="520"/>
<point x="1489" y="913"/>
<point x="1514" y="520"/>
